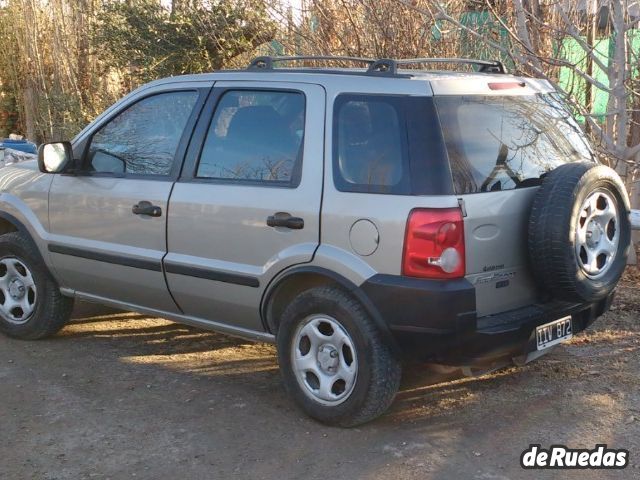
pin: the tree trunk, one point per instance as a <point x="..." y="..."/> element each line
<point x="617" y="77"/>
<point x="31" y="113"/>
<point x="523" y="34"/>
<point x="84" y="79"/>
<point x="591" y="37"/>
<point x="177" y="6"/>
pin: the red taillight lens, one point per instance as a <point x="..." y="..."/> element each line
<point x="506" y="85"/>
<point x="434" y="244"/>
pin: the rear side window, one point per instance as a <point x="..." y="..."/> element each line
<point x="256" y="137"/>
<point x="501" y="143"/>
<point x="370" y="144"/>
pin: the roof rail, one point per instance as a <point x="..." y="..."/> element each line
<point x="266" y="62"/>
<point x="389" y="66"/>
<point x="382" y="66"/>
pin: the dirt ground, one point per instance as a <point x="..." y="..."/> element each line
<point x="120" y="395"/>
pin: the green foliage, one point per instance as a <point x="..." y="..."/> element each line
<point x="150" y="41"/>
<point x="8" y="107"/>
<point x="65" y="61"/>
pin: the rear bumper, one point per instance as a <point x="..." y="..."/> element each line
<point x="433" y="320"/>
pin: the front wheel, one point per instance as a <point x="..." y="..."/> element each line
<point x="335" y="363"/>
<point x="31" y="305"/>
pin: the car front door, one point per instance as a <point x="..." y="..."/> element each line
<point x="108" y="219"/>
<point x="248" y="203"/>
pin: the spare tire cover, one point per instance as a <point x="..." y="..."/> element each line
<point x="579" y="232"/>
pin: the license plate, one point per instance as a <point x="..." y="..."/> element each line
<point x="551" y="334"/>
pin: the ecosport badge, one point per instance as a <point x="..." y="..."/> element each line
<point x="494" y="277"/>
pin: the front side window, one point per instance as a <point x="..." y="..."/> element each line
<point x="370" y="153"/>
<point x="504" y="142"/>
<point x="255" y="136"/>
<point x="142" y="139"/>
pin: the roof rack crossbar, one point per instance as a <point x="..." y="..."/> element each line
<point x="390" y="66"/>
<point x="267" y="62"/>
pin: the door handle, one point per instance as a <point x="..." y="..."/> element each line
<point x="146" y="208"/>
<point x="284" y="219"/>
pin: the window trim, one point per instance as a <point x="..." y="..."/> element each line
<point x="178" y="159"/>
<point x="194" y="154"/>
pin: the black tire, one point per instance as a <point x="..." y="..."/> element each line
<point x="557" y="206"/>
<point x="51" y="310"/>
<point x="378" y="371"/>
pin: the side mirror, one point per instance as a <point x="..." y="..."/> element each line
<point x="54" y="157"/>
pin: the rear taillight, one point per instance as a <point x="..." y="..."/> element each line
<point x="506" y="85"/>
<point x="434" y="244"/>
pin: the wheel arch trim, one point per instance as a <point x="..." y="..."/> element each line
<point x="21" y="227"/>
<point x="15" y="222"/>
<point x="342" y="281"/>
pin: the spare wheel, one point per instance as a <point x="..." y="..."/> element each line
<point x="579" y="232"/>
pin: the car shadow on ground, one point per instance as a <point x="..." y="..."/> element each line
<point x="426" y="395"/>
<point x="158" y="338"/>
<point x="148" y="335"/>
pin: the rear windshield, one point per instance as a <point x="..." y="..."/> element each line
<point x="505" y="142"/>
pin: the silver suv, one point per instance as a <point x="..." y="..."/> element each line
<point x="355" y="217"/>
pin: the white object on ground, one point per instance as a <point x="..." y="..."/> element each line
<point x="635" y="219"/>
<point x="9" y="156"/>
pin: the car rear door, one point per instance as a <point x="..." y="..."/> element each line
<point x="499" y="147"/>
<point x="108" y="220"/>
<point x="248" y="202"/>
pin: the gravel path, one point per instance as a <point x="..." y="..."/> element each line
<point x="120" y="395"/>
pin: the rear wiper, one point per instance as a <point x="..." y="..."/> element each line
<point x="530" y="182"/>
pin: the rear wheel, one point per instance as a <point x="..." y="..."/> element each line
<point x="334" y="361"/>
<point x="324" y="358"/>
<point x="31" y="305"/>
